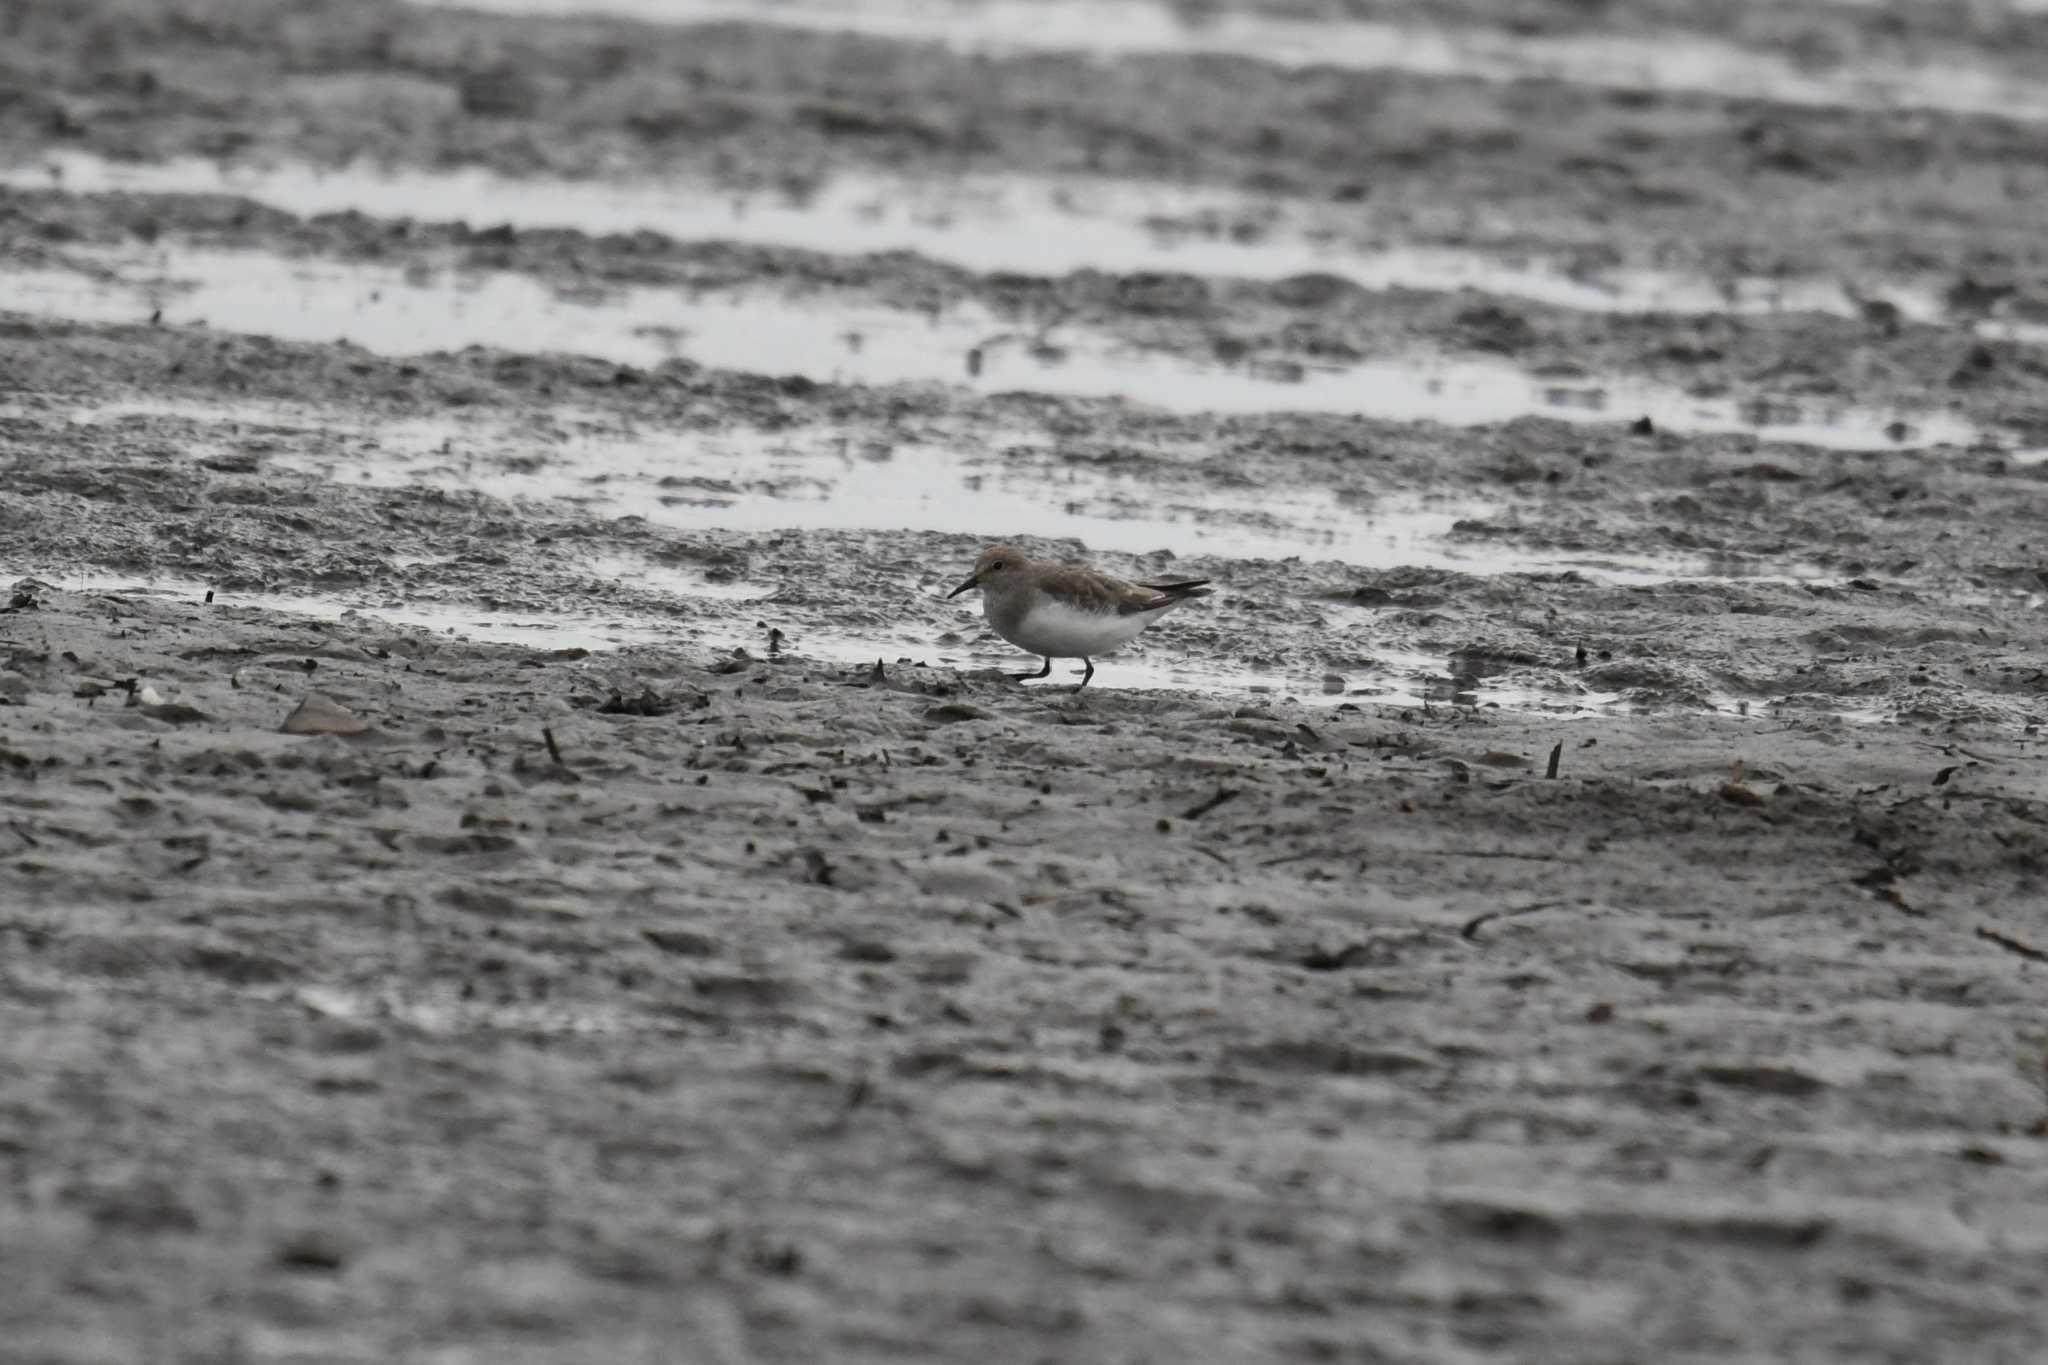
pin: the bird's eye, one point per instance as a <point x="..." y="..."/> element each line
<point x="995" y="565"/>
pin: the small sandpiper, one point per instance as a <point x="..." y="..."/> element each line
<point x="1063" y="611"/>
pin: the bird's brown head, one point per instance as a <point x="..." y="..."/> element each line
<point x="996" y="565"/>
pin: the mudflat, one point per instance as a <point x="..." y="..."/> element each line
<point x="508" y="854"/>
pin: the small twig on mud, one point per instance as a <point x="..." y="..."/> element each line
<point x="554" y="749"/>
<point x="1896" y="901"/>
<point x="1492" y="853"/>
<point x="1113" y="896"/>
<point x="1556" y="757"/>
<point x="26" y="837"/>
<point x="1208" y="852"/>
<point x="1222" y="794"/>
<point x="1470" y="932"/>
<point x="1307" y="853"/>
<point x="2019" y="807"/>
<point x="2012" y="945"/>
<point x="1990" y="758"/>
<point x="1418" y="852"/>
<point x="860" y="1092"/>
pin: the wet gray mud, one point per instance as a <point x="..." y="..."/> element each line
<point x="508" y="853"/>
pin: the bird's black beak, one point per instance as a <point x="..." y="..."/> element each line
<point x="973" y="580"/>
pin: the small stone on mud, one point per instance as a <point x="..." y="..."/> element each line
<point x="320" y="714"/>
<point x="947" y="968"/>
<point x="649" y="703"/>
<point x="964" y="882"/>
<point x="144" y="1206"/>
<point x="175" y="713"/>
<point x="1320" y="959"/>
<point x="501" y="92"/>
<point x="682" y="942"/>
<point x="314" y="1250"/>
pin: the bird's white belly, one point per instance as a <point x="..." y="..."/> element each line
<point x="1059" y="631"/>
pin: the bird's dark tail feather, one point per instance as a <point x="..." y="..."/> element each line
<point x="1184" y="588"/>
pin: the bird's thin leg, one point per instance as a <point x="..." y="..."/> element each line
<point x="1045" y="672"/>
<point x="1089" y="664"/>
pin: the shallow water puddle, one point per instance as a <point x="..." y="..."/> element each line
<point x="829" y="339"/>
<point x="995" y="484"/>
<point x="1678" y="62"/>
<point x="924" y="488"/>
<point x="990" y="223"/>
<point x="1391" y="677"/>
<point x="1013" y="486"/>
<point x="1008" y="485"/>
<point x="1394" y="679"/>
<point x="1001" y="484"/>
<point x="393" y="313"/>
<point x="536" y="630"/>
